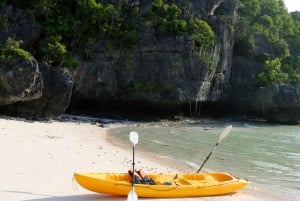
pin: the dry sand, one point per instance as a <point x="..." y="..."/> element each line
<point x="38" y="160"/>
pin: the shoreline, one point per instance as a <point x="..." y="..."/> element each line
<point x="40" y="158"/>
<point x="254" y="192"/>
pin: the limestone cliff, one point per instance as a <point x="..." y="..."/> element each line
<point x="164" y="72"/>
<point x="158" y="74"/>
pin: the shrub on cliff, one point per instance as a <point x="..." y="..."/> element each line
<point x="56" y="54"/>
<point x="11" y="49"/>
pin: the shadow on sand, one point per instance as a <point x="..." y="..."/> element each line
<point x="86" y="197"/>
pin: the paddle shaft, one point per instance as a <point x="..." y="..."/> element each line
<point x="210" y="153"/>
<point x="224" y="133"/>
<point x="133" y="164"/>
<point x="134" y="138"/>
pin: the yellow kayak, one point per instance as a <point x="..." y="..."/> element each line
<point x="166" y="185"/>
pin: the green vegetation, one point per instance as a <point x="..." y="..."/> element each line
<point x="166" y="19"/>
<point x="291" y="65"/>
<point x="170" y="20"/>
<point x="273" y="73"/>
<point x="56" y="53"/>
<point x="11" y="49"/>
<point x="75" y="26"/>
<point x="202" y="33"/>
<point x="271" y="19"/>
<point x="81" y="23"/>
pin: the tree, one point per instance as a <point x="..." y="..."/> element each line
<point x="273" y="73"/>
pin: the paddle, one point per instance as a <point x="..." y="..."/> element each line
<point x="224" y="133"/>
<point x="134" y="138"/>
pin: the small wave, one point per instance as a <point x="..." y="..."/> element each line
<point x="160" y="143"/>
<point x="166" y="157"/>
<point x="191" y="164"/>
<point x="272" y="167"/>
<point x="293" y="155"/>
<point x="248" y="125"/>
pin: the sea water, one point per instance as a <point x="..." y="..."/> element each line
<point x="265" y="154"/>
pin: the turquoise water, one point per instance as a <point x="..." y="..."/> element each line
<point x="265" y="154"/>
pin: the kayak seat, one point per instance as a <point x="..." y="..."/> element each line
<point x="140" y="177"/>
<point x="135" y="177"/>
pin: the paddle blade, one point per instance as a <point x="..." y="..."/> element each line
<point x="134" y="137"/>
<point x="224" y="133"/>
<point x="132" y="196"/>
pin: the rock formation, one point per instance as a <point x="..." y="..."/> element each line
<point x="157" y="74"/>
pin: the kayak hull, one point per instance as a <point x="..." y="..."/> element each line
<point x="167" y="185"/>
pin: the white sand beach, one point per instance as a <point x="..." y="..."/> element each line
<point x="38" y="160"/>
